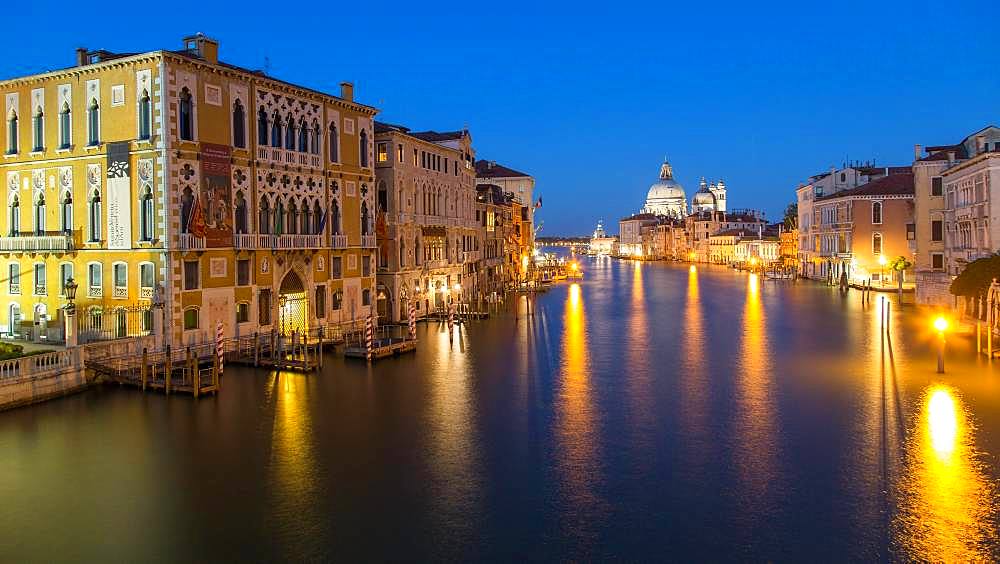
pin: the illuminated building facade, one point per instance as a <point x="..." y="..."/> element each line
<point x="172" y="177"/>
<point x="429" y="247"/>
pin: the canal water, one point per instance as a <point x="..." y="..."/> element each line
<point x="650" y="412"/>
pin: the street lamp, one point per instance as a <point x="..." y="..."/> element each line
<point x="882" y="262"/>
<point x="70" y="289"/>
<point x="941" y="325"/>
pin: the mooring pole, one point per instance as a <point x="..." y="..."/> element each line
<point x="144" y="368"/>
<point x="168" y="371"/>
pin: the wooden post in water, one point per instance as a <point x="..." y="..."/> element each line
<point x="274" y="349"/>
<point x="195" y="373"/>
<point x="168" y="371"/>
<point x="256" y="349"/>
<point x="319" y="349"/>
<point x="215" y="372"/>
<point x="144" y="368"/>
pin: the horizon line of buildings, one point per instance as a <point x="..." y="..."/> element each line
<point x="171" y="179"/>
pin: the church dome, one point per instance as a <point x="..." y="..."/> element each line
<point x="704" y="196"/>
<point x="666" y="188"/>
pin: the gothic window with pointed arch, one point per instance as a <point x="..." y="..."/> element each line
<point x="12" y="132"/>
<point x="145" y="116"/>
<point x="65" y="133"/>
<point x="239" y="125"/>
<point x="93" y="123"/>
<point x="185" y="115"/>
<point x="38" y="130"/>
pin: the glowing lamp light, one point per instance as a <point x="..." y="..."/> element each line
<point x="941" y="324"/>
<point x="458" y="287"/>
<point x="882" y="260"/>
<point x="574" y="266"/>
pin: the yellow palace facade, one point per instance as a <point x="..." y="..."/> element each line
<point x="171" y="179"/>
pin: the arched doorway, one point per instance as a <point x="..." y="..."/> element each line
<point x="293" y="304"/>
<point x="41" y="322"/>
<point x="383" y="302"/>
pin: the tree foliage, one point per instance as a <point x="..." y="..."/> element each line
<point x="792" y="216"/>
<point x="975" y="280"/>
<point x="900" y="264"/>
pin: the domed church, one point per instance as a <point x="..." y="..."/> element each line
<point x="709" y="197"/>
<point x="666" y="196"/>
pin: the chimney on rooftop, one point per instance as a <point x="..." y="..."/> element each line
<point x="203" y="46"/>
<point x="951" y="157"/>
<point x="81" y="56"/>
<point x="918" y="152"/>
<point x="347" y="91"/>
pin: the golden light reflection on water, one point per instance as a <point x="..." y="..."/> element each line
<point x="757" y="452"/>
<point x="293" y="456"/>
<point x="947" y="502"/>
<point x="577" y="449"/>
<point x="694" y="385"/>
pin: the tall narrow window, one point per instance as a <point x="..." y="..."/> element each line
<point x="241" y="213"/>
<point x="303" y="137"/>
<point x="65" y="273"/>
<point x="12" y="132"/>
<point x="14" y="278"/>
<point x="290" y="133"/>
<point x="40" y="279"/>
<point x="334" y="218"/>
<point x="38" y="129"/>
<point x="276" y="131"/>
<point x="293" y="215"/>
<point x="93" y="123"/>
<point x="94" y="275"/>
<point x="876" y="243"/>
<point x="146" y="215"/>
<point x="120" y="273"/>
<point x="314" y="140"/>
<point x="333" y="143"/>
<point x="66" y="214"/>
<point x="262" y="127"/>
<point x="145" y="116"/>
<point x="187" y="205"/>
<point x="365" y="219"/>
<point x="40" y="215"/>
<point x="239" y="126"/>
<point x="95" y="216"/>
<point x="363" y="140"/>
<point x="876" y="213"/>
<point x="264" y="221"/>
<point x="279" y="217"/>
<point x="185" y="119"/>
<point x="317" y="218"/>
<point x="147" y="278"/>
<point x="65" y="134"/>
<point x="15" y="216"/>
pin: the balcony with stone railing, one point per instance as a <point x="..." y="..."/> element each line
<point x="368" y="241"/>
<point x="471" y="256"/>
<point x="35" y="242"/>
<point x="338" y="241"/>
<point x="119" y="292"/>
<point x="249" y="241"/>
<point x="188" y="241"/>
<point x="95" y="291"/>
<point x="278" y="155"/>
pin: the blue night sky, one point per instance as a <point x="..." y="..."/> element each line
<point x="589" y="99"/>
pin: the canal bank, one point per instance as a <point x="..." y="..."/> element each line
<point x="648" y="412"/>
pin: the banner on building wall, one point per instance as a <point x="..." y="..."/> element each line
<point x="216" y="199"/>
<point x="119" y="197"/>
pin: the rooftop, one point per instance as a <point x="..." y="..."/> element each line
<point x="490" y="169"/>
<point x="892" y="185"/>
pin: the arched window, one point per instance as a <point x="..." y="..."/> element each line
<point x="314" y="140"/>
<point x="239" y="126"/>
<point x="382" y="198"/>
<point x="241" y="213"/>
<point x="12" y="132"/>
<point x="264" y="221"/>
<point x="67" y="213"/>
<point x="402" y="253"/>
<point x="365" y="227"/>
<point x="93" y="123"/>
<point x="293" y="216"/>
<point x="146" y="215"/>
<point x="40" y="215"/>
<point x="38" y="129"/>
<point x="363" y="139"/>
<point x="262" y="127"/>
<point x="65" y="134"/>
<point x="279" y="217"/>
<point x="187" y="206"/>
<point x="876" y="243"/>
<point x="190" y="318"/>
<point x="876" y="213"/>
<point x="94" y="213"/>
<point x="185" y="119"/>
<point x="333" y="143"/>
<point x="145" y="117"/>
<point x="334" y="217"/>
<point x="306" y="224"/>
<point x="15" y="216"/>
<point x="303" y="137"/>
<point x="317" y="218"/>
<point x="290" y="133"/>
<point x="276" y="130"/>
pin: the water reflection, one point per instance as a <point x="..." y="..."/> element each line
<point x="947" y="505"/>
<point x="694" y="383"/>
<point x="293" y="455"/>
<point x="575" y="432"/>
<point x="757" y="445"/>
<point x="640" y="376"/>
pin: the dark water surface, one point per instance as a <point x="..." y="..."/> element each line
<point x="650" y="412"/>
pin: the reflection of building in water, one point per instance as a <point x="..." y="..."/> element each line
<point x="947" y="501"/>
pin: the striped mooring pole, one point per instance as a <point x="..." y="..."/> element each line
<point x="369" y="334"/>
<point x="413" y="321"/>
<point x="218" y="344"/>
<point x="451" y="317"/>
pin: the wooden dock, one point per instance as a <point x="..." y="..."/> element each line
<point x="389" y="340"/>
<point x="179" y="371"/>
